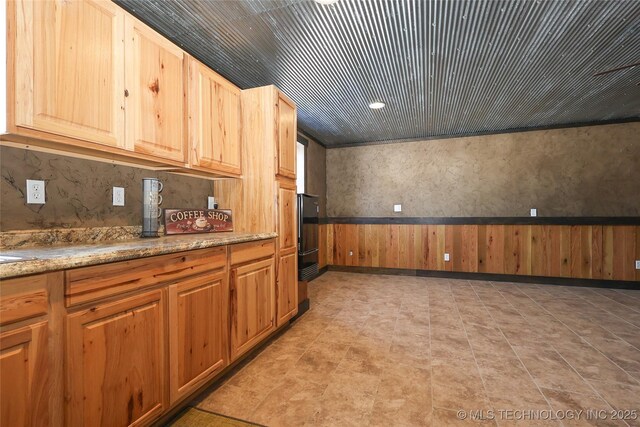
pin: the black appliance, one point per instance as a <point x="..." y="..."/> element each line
<point x="307" y="236"/>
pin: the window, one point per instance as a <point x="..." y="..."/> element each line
<point x="300" y="152"/>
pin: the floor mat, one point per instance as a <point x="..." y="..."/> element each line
<point x="194" y="417"/>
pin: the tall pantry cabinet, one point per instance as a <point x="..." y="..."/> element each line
<point x="265" y="199"/>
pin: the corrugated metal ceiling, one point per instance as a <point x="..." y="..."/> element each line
<point x="442" y="67"/>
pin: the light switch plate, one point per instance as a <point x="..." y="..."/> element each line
<point x="446" y="257"/>
<point x="211" y="202"/>
<point x="397" y="208"/>
<point x="638" y="264"/>
<point x="35" y="192"/>
<point x="118" y="196"/>
<point x="534" y="212"/>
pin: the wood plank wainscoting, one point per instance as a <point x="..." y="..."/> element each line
<point x="605" y="251"/>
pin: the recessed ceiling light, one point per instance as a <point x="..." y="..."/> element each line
<point x="376" y="105"/>
<point x="326" y="2"/>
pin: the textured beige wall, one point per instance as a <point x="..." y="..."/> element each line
<point x="78" y="192"/>
<point x="585" y="171"/>
<point x="316" y="173"/>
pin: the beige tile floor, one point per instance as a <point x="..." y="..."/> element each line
<point x="406" y="351"/>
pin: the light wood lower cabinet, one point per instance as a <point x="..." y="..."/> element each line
<point x="165" y="328"/>
<point x="24" y="369"/>
<point x="287" y="254"/>
<point x="198" y="334"/>
<point x="31" y="314"/>
<point x="252" y="304"/>
<point x="287" y="219"/>
<point x="287" y="285"/>
<point x="116" y="372"/>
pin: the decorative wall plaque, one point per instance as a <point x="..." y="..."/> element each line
<point x="186" y="221"/>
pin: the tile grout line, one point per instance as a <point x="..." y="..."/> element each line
<point x="554" y="349"/>
<point x="595" y="291"/>
<point x="277" y="385"/>
<point x="466" y="334"/>
<point x="378" y="313"/>
<point x="430" y="352"/>
<point x="566" y="361"/>
<point x="616" y="316"/>
<point x="513" y="350"/>
<point x="582" y="339"/>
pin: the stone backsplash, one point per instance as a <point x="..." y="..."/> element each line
<point x="79" y="194"/>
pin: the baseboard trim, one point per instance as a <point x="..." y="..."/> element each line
<point x="321" y="271"/>
<point x="542" y="280"/>
<point x="303" y="307"/>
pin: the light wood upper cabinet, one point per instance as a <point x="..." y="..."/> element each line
<point x="25" y="376"/>
<point x="286" y="141"/>
<point x="86" y="78"/>
<point x="116" y="359"/>
<point x="214" y="121"/>
<point x="69" y="69"/>
<point x="154" y="90"/>
<point x="198" y="334"/>
<point x="252" y="304"/>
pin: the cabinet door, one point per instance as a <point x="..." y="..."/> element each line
<point x="24" y="384"/>
<point x="252" y="305"/>
<point x="116" y="362"/>
<point x="286" y="137"/>
<point x="214" y="121"/>
<point x="287" y="231"/>
<point x="198" y="333"/>
<point x="155" y="93"/>
<point x="69" y="69"/>
<point x="287" y="285"/>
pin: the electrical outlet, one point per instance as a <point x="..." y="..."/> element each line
<point x="350" y="253"/>
<point x="35" y="192"/>
<point x="638" y="264"/>
<point x="446" y="257"/>
<point x="397" y="208"/>
<point x="534" y="212"/>
<point x="118" y="196"/>
<point x="211" y="202"/>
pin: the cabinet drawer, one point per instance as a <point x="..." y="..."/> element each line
<point x="23" y="298"/>
<point x="100" y="281"/>
<point x="251" y="251"/>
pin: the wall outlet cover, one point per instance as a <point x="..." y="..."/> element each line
<point x="638" y="264"/>
<point x="350" y="253"/>
<point x="118" y="196"/>
<point x="446" y="257"/>
<point x="211" y="202"/>
<point x="534" y="212"/>
<point x="397" y="208"/>
<point x="35" y="192"/>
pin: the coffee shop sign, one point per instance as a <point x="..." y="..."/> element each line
<point x="184" y="221"/>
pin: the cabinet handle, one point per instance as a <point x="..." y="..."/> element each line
<point x="126" y="93"/>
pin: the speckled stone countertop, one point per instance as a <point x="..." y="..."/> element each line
<point x="62" y="257"/>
